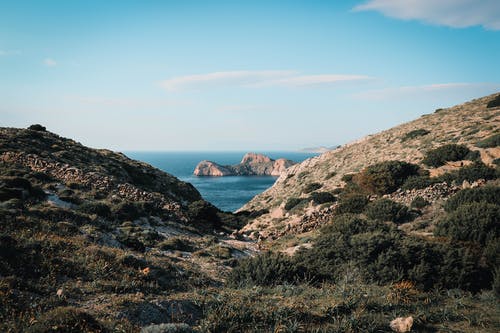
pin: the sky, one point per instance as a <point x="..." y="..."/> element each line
<point x="240" y="75"/>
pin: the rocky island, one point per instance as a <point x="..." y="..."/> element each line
<point x="252" y="164"/>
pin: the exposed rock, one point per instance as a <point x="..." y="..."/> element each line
<point x="252" y="164"/>
<point x="402" y="325"/>
<point x="209" y="168"/>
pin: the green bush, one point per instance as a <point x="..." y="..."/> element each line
<point x="322" y="197"/>
<point x="204" y="212"/>
<point x="489" y="142"/>
<point x="37" y="127"/>
<point x="486" y="194"/>
<point x="476" y="222"/>
<point x="414" y="134"/>
<point x="418" y="182"/>
<point x="352" y="204"/>
<point x="292" y="202"/>
<point x="494" y="102"/>
<point x="419" y="203"/>
<point x="66" y="320"/>
<point x="176" y="244"/>
<point x="387" y="210"/>
<point x="268" y="269"/>
<point x="312" y="187"/>
<point x="451" y="152"/>
<point x="98" y="208"/>
<point x="347" y="177"/>
<point x="385" y="177"/>
<point x="475" y="171"/>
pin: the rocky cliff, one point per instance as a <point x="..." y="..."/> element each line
<point x="251" y="165"/>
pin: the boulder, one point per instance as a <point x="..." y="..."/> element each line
<point x="402" y="324"/>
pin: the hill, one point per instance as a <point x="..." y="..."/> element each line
<point x="91" y="240"/>
<point x="465" y="124"/>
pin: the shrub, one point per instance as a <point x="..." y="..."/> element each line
<point x="292" y="202"/>
<point x="353" y="204"/>
<point x="385" y="177"/>
<point x="415" y="134"/>
<point x="347" y="177"/>
<point x="66" y="320"/>
<point x="203" y="211"/>
<point x="496" y="283"/>
<point x="418" y="182"/>
<point x="37" y="127"/>
<point x="489" y="142"/>
<point x="98" y="208"/>
<point x="475" y="171"/>
<point x="476" y="222"/>
<point x="486" y="194"/>
<point x="312" y="187"/>
<point x="494" y="102"/>
<point x="126" y="211"/>
<point x="419" y="203"/>
<point x="387" y="210"/>
<point x="168" y="328"/>
<point x="268" y="269"/>
<point x="330" y="175"/>
<point x="322" y="197"/>
<point x="176" y="244"/>
<point x="451" y="152"/>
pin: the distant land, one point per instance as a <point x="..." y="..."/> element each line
<point x="320" y="149"/>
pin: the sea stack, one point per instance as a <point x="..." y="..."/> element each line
<point x="251" y="164"/>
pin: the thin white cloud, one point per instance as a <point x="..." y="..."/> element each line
<point x="312" y="80"/>
<point x="255" y="79"/>
<point x="452" y="13"/>
<point x="428" y="90"/>
<point x="49" y="62"/>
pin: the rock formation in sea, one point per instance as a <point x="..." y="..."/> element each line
<point x="252" y="164"/>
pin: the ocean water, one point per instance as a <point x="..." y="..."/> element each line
<point x="227" y="193"/>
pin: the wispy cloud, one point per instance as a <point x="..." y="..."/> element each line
<point x="312" y="80"/>
<point x="429" y="89"/>
<point x="49" y="62"/>
<point x="452" y="13"/>
<point x="255" y="79"/>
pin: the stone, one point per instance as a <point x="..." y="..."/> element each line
<point x="402" y="324"/>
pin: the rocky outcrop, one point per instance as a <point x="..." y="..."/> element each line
<point x="252" y="164"/>
<point x="209" y="168"/>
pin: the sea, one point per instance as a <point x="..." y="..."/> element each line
<point x="227" y="193"/>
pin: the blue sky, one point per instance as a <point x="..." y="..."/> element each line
<point x="240" y="75"/>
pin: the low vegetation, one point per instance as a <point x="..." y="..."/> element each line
<point x="447" y="153"/>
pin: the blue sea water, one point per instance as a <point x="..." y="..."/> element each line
<point x="227" y="193"/>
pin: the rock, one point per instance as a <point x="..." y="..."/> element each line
<point x="208" y="168"/>
<point x="251" y="165"/>
<point x="402" y="325"/>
